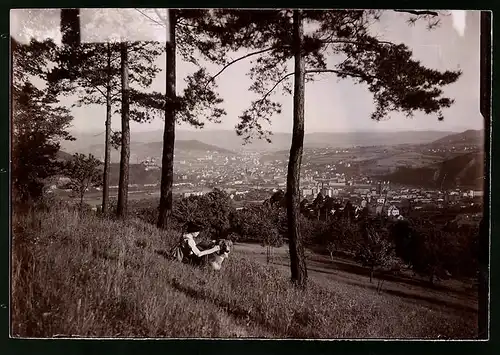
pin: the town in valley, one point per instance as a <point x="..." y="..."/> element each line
<point x="446" y="173"/>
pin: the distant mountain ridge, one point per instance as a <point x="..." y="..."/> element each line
<point x="465" y="170"/>
<point x="225" y="139"/>
<point x="140" y="151"/>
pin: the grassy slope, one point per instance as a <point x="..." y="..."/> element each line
<point x="103" y="278"/>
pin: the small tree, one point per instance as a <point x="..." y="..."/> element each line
<point x="433" y="249"/>
<point x="260" y="223"/>
<point x="340" y="234"/>
<point x="374" y="251"/>
<point x="317" y="204"/>
<point x="84" y="172"/>
<point x="328" y="205"/>
<point x="331" y="248"/>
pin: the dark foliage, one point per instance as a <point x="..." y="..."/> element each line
<point x="38" y="124"/>
<point x="211" y="212"/>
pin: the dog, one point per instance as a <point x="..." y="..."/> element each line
<point x="214" y="260"/>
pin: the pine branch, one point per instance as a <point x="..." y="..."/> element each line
<point x="329" y="41"/>
<point x="94" y="86"/>
<point x="275" y="85"/>
<point x="237" y="60"/>
<point x="420" y="12"/>
<point x="311" y="71"/>
<point x="340" y="72"/>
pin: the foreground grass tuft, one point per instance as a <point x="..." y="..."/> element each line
<point x="82" y="275"/>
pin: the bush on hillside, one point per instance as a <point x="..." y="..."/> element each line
<point x="212" y="212"/>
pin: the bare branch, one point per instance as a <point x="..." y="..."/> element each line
<point x="237" y="60"/>
<point x="275" y="85"/>
<point x="420" y="12"/>
<point x="161" y="17"/>
<point x="354" y="42"/>
<point x="340" y="72"/>
<point x="312" y="71"/>
<point x="152" y="19"/>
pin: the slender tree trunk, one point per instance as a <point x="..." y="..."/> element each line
<point x="107" y="145"/>
<point x="380" y="285"/>
<point x="297" y="258"/>
<point x="484" y="237"/>
<point x="167" y="163"/>
<point x="125" y="149"/>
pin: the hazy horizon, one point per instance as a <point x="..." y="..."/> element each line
<point x="331" y="105"/>
<point x="216" y="129"/>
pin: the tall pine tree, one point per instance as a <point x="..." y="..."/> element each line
<point x="186" y="35"/>
<point x="275" y="37"/>
<point x="92" y="71"/>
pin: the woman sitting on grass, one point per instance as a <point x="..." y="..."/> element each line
<point x="188" y="250"/>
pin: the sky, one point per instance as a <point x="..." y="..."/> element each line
<point x="331" y="105"/>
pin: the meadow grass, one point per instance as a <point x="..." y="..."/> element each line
<point x="79" y="274"/>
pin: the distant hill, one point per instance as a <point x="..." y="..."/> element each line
<point x="195" y="145"/>
<point x="282" y="141"/>
<point x="226" y="139"/>
<point x="139" y="151"/>
<point x="469" y="137"/>
<point x="462" y="171"/>
<point x="368" y="139"/>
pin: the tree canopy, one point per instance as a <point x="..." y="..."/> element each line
<point x="38" y="123"/>
<point x="397" y="81"/>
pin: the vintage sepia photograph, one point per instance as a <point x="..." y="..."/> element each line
<point x="250" y="173"/>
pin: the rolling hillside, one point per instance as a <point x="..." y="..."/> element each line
<point x="282" y="141"/>
<point x="469" y="137"/>
<point x="139" y="151"/>
<point x="463" y="171"/>
<point x="195" y="145"/>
